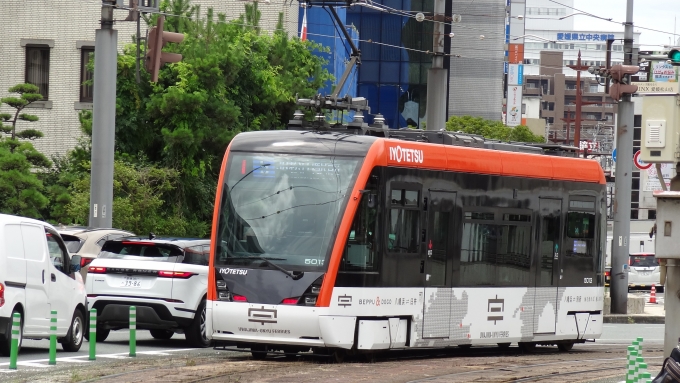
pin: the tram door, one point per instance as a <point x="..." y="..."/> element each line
<point x="436" y="263"/>
<point x="547" y="272"/>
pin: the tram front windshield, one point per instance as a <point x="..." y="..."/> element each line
<point x="282" y="207"/>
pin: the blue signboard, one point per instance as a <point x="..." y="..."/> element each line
<point x="614" y="155"/>
<point x="520" y="74"/>
<point x="576" y="36"/>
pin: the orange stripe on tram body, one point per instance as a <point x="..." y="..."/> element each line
<point x="212" y="292"/>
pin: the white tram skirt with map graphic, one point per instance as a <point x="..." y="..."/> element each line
<point x="433" y="317"/>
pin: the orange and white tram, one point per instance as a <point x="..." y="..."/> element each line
<point x="331" y="240"/>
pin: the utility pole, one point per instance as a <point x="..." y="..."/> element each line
<point x="437" y="78"/>
<point x="103" y="119"/>
<point x="624" y="168"/>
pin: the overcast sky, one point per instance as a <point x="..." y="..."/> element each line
<point x="656" y="14"/>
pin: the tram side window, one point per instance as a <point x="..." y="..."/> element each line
<point x="360" y="251"/>
<point x="404" y="219"/>
<point x="497" y="252"/>
<point x="581" y="229"/>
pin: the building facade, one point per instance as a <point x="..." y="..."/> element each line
<point x="49" y="43"/>
<point x="395" y="57"/>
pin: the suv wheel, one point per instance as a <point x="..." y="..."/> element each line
<point x="102" y="334"/>
<point x="162" y="334"/>
<point x="195" y="333"/>
<point x="74" y="338"/>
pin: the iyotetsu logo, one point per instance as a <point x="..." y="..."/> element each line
<point x="233" y="271"/>
<point x="399" y="154"/>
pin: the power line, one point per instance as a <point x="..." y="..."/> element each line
<point x="613" y="21"/>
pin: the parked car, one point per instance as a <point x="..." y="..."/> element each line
<point x="88" y="242"/>
<point x="37" y="275"/>
<point x="165" y="279"/>
<point x="644" y="271"/>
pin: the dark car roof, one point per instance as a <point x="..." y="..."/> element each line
<point x="179" y="242"/>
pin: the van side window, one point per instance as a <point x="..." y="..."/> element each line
<point x="58" y="253"/>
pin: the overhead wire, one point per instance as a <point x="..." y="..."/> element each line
<point x="370" y="41"/>
<point x="614" y="21"/>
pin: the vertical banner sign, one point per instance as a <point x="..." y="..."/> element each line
<point x="515" y="34"/>
<point x="515" y="74"/>
<point x="514" y="115"/>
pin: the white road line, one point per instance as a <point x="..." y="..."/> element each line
<point x="41" y="363"/>
<point x="32" y="364"/>
<point x="72" y="359"/>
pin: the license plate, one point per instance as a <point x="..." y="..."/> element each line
<point x="131" y="282"/>
<point x="645" y="272"/>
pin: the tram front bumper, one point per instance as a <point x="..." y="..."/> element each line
<point x="268" y="324"/>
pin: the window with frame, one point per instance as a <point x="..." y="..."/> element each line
<point x="404" y="221"/>
<point x="496" y="249"/>
<point x="38" y="68"/>
<point x="581" y="227"/>
<point x="58" y="253"/>
<point x="86" y="75"/>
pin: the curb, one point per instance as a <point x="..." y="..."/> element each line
<point x="633" y="318"/>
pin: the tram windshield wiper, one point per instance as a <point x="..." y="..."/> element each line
<point x="268" y="260"/>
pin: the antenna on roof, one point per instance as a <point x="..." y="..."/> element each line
<point x="152" y="236"/>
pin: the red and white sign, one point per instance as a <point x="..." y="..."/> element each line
<point x="303" y="30"/>
<point x="639" y="163"/>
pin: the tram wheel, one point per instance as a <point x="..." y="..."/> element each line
<point x="527" y="346"/>
<point x="504" y="345"/>
<point x="258" y="352"/>
<point x="338" y="355"/>
<point x="565" y="347"/>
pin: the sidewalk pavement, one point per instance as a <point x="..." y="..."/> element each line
<point x="654" y="313"/>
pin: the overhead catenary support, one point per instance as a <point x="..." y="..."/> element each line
<point x="622" y="192"/>
<point x="103" y="119"/>
<point x="437" y="76"/>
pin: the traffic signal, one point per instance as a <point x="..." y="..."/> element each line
<point x="155" y="57"/>
<point x="674" y="56"/>
<point x="620" y="75"/>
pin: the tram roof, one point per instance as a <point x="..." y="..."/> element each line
<point x="445" y="151"/>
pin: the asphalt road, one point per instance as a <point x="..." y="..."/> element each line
<point x="116" y="346"/>
<point x="156" y="358"/>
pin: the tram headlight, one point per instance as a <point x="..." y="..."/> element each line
<point x="224" y="296"/>
<point x="310" y="301"/>
<point x="221" y="285"/>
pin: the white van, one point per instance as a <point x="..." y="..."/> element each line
<point x="38" y="275"/>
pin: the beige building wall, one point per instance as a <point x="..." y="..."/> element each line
<point x="66" y="27"/>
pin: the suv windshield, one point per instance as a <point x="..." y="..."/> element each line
<point x="643" y="261"/>
<point x="142" y="251"/>
<point x="284" y="207"/>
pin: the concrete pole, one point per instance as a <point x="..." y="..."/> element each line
<point x="103" y="119"/>
<point x="577" y="122"/>
<point x="437" y="76"/>
<point x="672" y="305"/>
<point x="624" y="168"/>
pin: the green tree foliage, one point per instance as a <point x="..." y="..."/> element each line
<point x="138" y="203"/>
<point x="495" y="130"/>
<point x="171" y="135"/>
<point x="233" y="77"/>
<point x="21" y="191"/>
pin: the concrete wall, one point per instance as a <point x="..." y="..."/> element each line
<point x="65" y="25"/>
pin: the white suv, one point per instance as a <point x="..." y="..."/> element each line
<point x="165" y="279"/>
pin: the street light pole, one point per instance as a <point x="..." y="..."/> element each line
<point x="103" y="119"/>
<point x="437" y="78"/>
<point x="622" y="192"/>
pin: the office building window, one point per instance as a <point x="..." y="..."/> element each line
<point x="38" y="68"/>
<point x="86" y="75"/>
